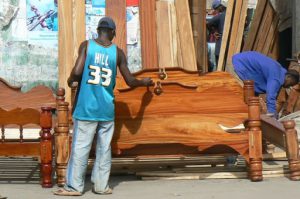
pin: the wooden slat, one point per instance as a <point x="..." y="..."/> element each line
<point x="19" y="116"/>
<point x="78" y="26"/>
<point x="65" y="43"/>
<point x="271" y="36"/>
<point x="264" y="28"/>
<point x="148" y="34"/>
<point x="234" y="33"/>
<point x="186" y="35"/>
<point x="260" y="8"/>
<point x="198" y="16"/>
<point x="237" y="34"/>
<point x="226" y="35"/>
<point x="116" y="9"/>
<point x="273" y="131"/>
<point x="166" y="48"/>
<point x="20" y="149"/>
<point x="241" y="28"/>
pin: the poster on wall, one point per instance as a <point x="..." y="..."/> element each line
<point x="18" y="26"/>
<point x="42" y="22"/>
<point x="95" y="10"/>
<point x="28" y="43"/>
<point x="133" y="36"/>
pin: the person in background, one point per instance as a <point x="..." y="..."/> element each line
<point x="217" y="24"/>
<point x="268" y="76"/>
<point x="94" y="110"/>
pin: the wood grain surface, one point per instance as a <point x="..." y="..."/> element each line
<point x="148" y="34"/>
<point x="116" y="9"/>
<point x="12" y="97"/>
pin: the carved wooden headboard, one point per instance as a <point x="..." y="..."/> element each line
<point x="11" y="97"/>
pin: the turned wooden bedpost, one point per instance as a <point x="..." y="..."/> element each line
<point x="255" y="140"/>
<point x="248" y="90"/>
<point x="292" y="151"/>
<point x="46" y="147"/>
<point x="62" y="148"/>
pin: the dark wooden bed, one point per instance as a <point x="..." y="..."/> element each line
<point x="20" y="112"/>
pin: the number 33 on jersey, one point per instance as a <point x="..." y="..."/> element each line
<point x="96" y="98"/>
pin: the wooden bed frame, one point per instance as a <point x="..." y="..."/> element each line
<point x="148" y="121"/>
<point x="282" y="135"/>
<point x="18" y="110"/>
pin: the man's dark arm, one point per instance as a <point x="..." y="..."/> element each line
<point x="213" y="22"/>
<point x="129" y="78"/>
<point x="77" y="70"/>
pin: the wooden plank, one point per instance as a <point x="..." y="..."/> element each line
<point x="116" y="9"/>
<point x="174" y="34"/>
<point x="65" y="44"/>
<point x="198" y="16"/>
<point x="209" y="175"/>
<point x="271" y="36"/>
<point x="20" y="149"/>
<point x="274" y="51"/>
<point x="240" y="34"/>
<point x="260" y="8"/>
<point x="273" y="131"/>
<point x="78" y="26"/>
<point x="264" y="29"/>
<point x="233" y="35"/>
<point x="148" y="34"/>
<point x="237" y="37"/>
<point x="226" y="33"/>
<point x="165" y="37"/>
<point x="186" y="35"/>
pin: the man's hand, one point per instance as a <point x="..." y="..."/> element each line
<point x="147" y="81"/>
<point x="72" y="84"/>
<point x="273" y="115"/>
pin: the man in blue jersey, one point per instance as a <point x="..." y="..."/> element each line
<point x="268" y="75"/>
<point x="95" y="70"/>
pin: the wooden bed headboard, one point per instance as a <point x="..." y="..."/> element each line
<point x="11" y="97"/>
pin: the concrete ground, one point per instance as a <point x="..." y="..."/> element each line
<point x="133" y="188"/>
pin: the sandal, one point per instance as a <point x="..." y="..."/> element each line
<point x="107" y="192"/>
<point x="64" y="192"/>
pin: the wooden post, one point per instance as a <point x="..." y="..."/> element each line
<point x="255" y="140"/>
<point x="46" y="147"/>
<point x="62" y="139"/>
<point x="248" y="90"/>
<point x="292" y="151"/>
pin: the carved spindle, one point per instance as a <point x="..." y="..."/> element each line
<point x="60" y="95"/>
<point x="248" y="90"/>
<point x="254" y="114"/>
<point x="21" y="134"/>
<point x="2" y="133"/>
<point x="62" y="142"/>
<point x="292" y="149"/>
<point x="255" y="140"/>
<point x="46" y="146"/>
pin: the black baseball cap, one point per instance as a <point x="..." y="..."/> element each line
<point x="107" y="22"/>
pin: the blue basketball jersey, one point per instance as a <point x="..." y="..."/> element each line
<point x="95" y="100"/>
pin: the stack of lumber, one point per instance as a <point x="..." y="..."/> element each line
<point x="175" y="35"/>
<point x="271" y="169"/>
<point x="233" y="33"/>
<point x="262" y="36"/>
